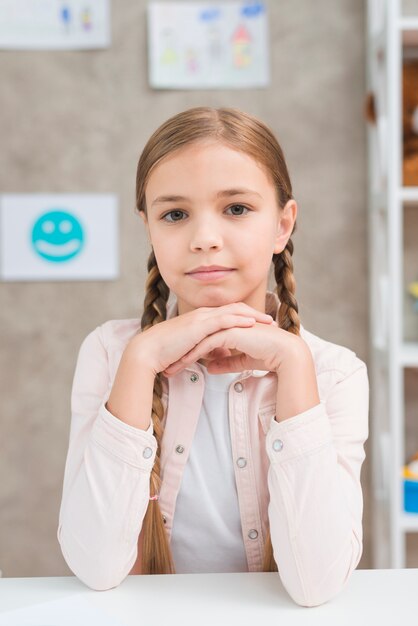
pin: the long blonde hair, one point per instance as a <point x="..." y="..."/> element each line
<point x="246" y="133"/>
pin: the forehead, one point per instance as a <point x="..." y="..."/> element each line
<point x="209" y="163"/>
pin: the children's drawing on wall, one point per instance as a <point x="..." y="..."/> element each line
<point x="54" y="24"/>
<point x="65" y="14"/>
<point x="193" y="45"/>
<point x="169" y="54"/>
<point x="241" y="45"/>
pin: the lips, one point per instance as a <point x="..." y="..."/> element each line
<point x="210" y="268"/>
<point x="211" y="275"/>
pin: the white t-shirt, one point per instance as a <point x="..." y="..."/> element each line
<point x="207" y="533"/>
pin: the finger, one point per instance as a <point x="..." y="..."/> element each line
<point x="241" y="308"/>
<point x="171" y="368"/>
<point x="237" y="317"/>
<point x="259" y="316"/>
<point x="207" y="325"/>
<point x="204" y="347"/>
<point x="216" y="353"/>
<point x="178" y="366"/>
<point x="212" y="325"/>
<point x="236" y="363"/>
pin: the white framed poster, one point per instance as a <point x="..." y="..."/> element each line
<point x="197" y="45"/>
<point x="54" y="24"/>
<point x="59" y="237"/>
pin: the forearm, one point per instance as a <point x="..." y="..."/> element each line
<point x="105" y="496"/>
<point x="317" y="539"/>
<point x="130" y="399"/>
<point x="316" y="500"/>
<point x="297" y="388"/>
<point x="107" y="472"/>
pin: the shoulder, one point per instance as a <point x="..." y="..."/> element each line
<point x="112" y="335"/>
<point x="115" y="334"/>
<point x="331" y="358"/>
<point x="101" y="350"/>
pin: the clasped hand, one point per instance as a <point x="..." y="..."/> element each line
<point x="231" y="337"/>
<point x="261" y="346"/>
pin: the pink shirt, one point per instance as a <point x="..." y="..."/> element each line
<point x="300" y="476"/>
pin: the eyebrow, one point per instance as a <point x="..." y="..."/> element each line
<point x="225" y="193"/>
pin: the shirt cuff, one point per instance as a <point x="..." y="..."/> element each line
<point x="130" y="444"/>
<point x="299" y="435"/>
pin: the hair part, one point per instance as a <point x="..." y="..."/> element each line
<point x="243" y="132"/>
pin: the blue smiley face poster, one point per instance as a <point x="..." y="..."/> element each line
<point x="59" y="237"/>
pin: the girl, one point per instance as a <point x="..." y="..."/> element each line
<point x="216" y="434"/>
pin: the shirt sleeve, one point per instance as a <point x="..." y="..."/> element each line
<point x="106" y="478"/>
<point x="316" y="503"/>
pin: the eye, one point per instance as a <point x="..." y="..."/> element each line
<point x="240" y="207"/>
<point x="48" y="227"/>
<point x="176" y="212"/>
<point x="65" y="226"/>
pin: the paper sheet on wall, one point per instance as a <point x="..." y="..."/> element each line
<point x="59" y="237"/>
<point x="54" y="24"/>
<point x="65" y="612"/>
<point x="195" y="45"/>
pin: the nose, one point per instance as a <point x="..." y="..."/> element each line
<point x="206" y="234"/>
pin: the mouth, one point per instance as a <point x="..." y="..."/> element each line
<point x="210" y="275"/>
<point x="57" y="250"/>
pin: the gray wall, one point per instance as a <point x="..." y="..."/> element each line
<point x="76" y="122"/>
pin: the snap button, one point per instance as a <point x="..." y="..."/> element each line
<point x="277" y="445"/>
<point x="238" y="387"/>
<point x="147" y="453"/>
<point x="164" y="519"/>
<point x="253" y="534"/>
<point x="179" y="449"/>
<point x="241" y="462"/>
<point x="194" y="377"/>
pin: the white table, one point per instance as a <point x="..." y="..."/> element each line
<point x="382" y="597"/>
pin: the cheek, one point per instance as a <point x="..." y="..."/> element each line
<point x="169" y="259"/>
<point x="259" y="241"/>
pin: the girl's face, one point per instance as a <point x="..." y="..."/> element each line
<point x="208" y="204"/>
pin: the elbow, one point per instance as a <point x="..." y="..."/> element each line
<point x="310" y="600"/>
<point x="319" y="595"/>
<point x="338" y="574"/>
<point x="91" y="568"/>
<point x="97" y="577"/>
<point x="316" y="600"/>
<point x="96" y="582"/>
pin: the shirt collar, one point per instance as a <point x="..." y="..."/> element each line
<point x="272" y="308"/>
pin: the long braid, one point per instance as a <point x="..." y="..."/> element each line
<point x="288" y="319"/>
<point x="156" y="552"/>
<point x="285" y="288"/>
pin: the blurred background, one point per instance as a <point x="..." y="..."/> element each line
<point x="75" y="121"/>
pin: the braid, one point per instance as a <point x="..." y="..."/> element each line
<point x="288" y="319"/>
<point x="156" y="553"/>
<point x="286" y="287"/>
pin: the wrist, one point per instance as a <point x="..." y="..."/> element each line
<point x="131" y="396"/>
<point x="297" y="387"/>
<point x="296" y="357"/>
<point x="137" y="354"/>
